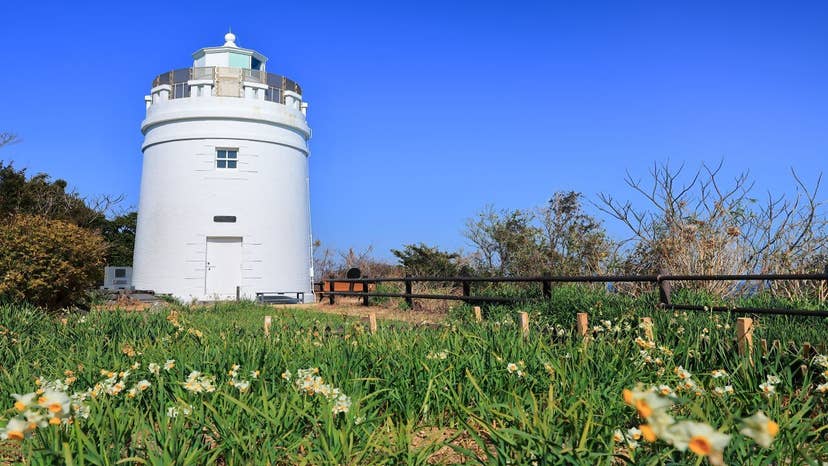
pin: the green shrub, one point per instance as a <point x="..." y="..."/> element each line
<point x="48" y="263"/>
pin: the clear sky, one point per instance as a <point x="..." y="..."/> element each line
<point x="424" y="112"/>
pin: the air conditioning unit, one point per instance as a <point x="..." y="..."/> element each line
<point x="117" y="278"/>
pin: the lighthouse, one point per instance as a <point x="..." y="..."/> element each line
<point x="224" y="207"/>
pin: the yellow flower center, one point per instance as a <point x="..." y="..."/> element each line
<point x="54" y="421"/>
<point x="644" y="410"/>
<point x="32" y="426"/>
<point x="15" y="435"/>
<point x="700" y="445"/>
<point x="55" y="408"/>
<point x="773" y="428"/>
<point x="647" y="432"/>
<point x="20" y="406"/>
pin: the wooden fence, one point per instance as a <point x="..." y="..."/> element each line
<point x="366" y="288"/>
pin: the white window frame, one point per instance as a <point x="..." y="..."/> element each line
<point x="227" y="160"/>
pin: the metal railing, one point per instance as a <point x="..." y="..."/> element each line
<point x="178" y="79"/>
<point x="662" y="282"/>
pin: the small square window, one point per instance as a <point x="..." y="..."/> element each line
<point x="227" y="158"/>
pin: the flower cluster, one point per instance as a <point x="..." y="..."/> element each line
<point x="175" y="411"/>
<point x="698" y="437"/>
<point x="516" y="369"/>
<point x="310" y="383"/>
<point x="37" y="410"/>
<point x="686" y="382"/>
<point x="440" y="355"/>
<point x="768" y="387"/>
<point x="113" y="384"/>
<point x="721" y="390"/>
<point x="608" y="327"/>
<point x="173" y="319"/>
<point x="200" y="383"/>
<point x="240" y="384"/>
<point x="631" y="437"/>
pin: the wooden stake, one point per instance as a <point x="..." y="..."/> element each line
<point x="372" y="322"/>
<point x="744" y="335"/>
<point x="647" y="324"/>
<point x="478" y="314"/>
<point x="524" y="324"/>
<point x="267" y="321"/>
<point x="582" y="324"/>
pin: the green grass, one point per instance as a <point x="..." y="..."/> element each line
<point x="562" y="410"/>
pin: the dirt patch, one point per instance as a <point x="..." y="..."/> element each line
<point x="354" y="309"/>
<point x="446" y="454"/>
<point x="10" y="452"/>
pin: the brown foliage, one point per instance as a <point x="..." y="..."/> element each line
<point x="707" y="225"/>
<point x="49" y="263"/>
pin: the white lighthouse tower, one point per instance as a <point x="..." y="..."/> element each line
<point x="224" y="190"/>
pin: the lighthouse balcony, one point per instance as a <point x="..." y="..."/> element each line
<point x="226" y="82"/>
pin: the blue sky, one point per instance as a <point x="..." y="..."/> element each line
<point x="424" y="112"/>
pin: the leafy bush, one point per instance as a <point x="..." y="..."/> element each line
<point x="48" y="263"/>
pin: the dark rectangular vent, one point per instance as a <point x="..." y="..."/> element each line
<point x="224" y="219"/>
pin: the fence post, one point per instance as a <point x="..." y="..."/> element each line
<point x="365" y="294"/>
<point x="331" y="297"/>
<point x="663" y="289"/>
<point x="647" y="325"/>
<point x="267" y="321"/>
<point x="466" y="290"/>
<point x="478" y="314"/>
<point x="409" y="301"/>
<point x="582" y="324"/>
<point x="744" y="335"/>
<point x="524" y="324"/>
<point x="238" y="292"/>
<point x="547" y="289"/>
<point x="372" y="322"/>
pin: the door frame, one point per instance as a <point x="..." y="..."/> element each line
<point x="207" y="252"/>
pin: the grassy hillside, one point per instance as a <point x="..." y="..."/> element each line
<point x="322" y="390"/>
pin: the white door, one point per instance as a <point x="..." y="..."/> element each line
<point x="223" y="267"/>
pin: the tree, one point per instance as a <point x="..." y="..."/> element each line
<point x="49" y="263"/>
<point x="575" y="243"/>
<point x="119" y="234"/>
<point x="40" y="195"/>
<point x="420" y="260"/>
<point x="508" y="242"/>
<point x="8" y="139"/>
